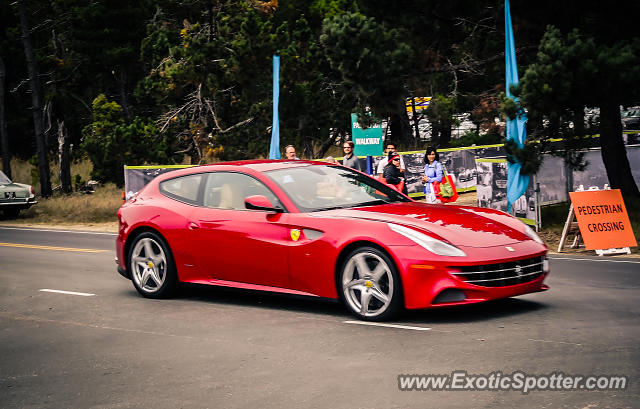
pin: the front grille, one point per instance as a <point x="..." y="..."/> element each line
<point x="502" y="274"/>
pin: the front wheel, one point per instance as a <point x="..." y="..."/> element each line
<point x="151" y="266"/>
<point x="369" y="285"/>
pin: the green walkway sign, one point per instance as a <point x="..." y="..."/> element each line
<point x="368" y="142"/>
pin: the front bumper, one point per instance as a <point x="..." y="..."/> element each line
<point x="434" y="283"/>
<point x="123" y="271"/>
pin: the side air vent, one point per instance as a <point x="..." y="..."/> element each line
<point x="449" y="295"/>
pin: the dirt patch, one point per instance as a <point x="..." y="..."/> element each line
<point x="467" y="199"/>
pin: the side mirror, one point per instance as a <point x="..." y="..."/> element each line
<point x="260" y="202"/>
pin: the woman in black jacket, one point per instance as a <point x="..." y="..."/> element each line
<point x="392" y="173"/>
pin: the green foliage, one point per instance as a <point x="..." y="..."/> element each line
<point x="111" y="142"/>
<point x="555" y="86"/>
<point x="441" y="110"/>
<point x="195" y="77"/>
<point x="440" y="114"/>
<point x="529" y="156"/>
<point x="509" y="107"/>
<point x="371" y="58"/>
<point x="78" y="183"/>
<point x="575" y="71"/>
<point x="471" y="138"/>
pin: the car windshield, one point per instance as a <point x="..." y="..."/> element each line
<point x="314" y="188"/>
<point x="4" y="180"/>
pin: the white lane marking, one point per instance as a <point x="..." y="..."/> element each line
<point x="58" y="231"/>
<point x="379" y="324"/>
<point x="555" y="342"/>
<point x="48" y="290"/>
<point x="595" y="259"/>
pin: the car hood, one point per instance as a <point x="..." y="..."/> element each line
<point x="462" y="226"/>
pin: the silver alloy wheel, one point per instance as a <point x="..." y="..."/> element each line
<point x="148" y="265"/>
<point x="367" y="284"/>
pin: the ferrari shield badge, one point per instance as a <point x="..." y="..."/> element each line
<point x="295" y="234"/>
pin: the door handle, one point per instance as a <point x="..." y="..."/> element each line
<point x="193" y="226"/>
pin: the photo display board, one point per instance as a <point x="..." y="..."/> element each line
<point x="136" y="177"/>
<point x="492" y="190"/>
<point x="458" y="162"/>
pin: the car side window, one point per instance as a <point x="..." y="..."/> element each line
<point x="184" y="188"/>
<point x="228" y="190"/>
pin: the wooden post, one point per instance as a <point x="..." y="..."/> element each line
<point x="570" y="226"/>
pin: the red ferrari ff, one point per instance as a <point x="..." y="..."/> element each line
<point x="319" y="229"/>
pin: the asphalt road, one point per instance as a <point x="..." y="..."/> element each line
<point x="221" y="348"/>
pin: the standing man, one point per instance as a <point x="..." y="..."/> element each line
<point x="290" y="152"/>
<point x="350" y="159"/>
<point x="389" y="147"/>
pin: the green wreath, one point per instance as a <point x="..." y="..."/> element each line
<point x="529" y="156"/>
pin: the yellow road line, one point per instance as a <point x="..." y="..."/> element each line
<point x="33" y="246"/>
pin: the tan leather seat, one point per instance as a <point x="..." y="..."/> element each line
<point x="190" y="188"/>
<point x="231" y="197"/>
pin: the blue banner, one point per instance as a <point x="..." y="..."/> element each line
<point x="516" y="128"/>
<point x="274" y="151"/>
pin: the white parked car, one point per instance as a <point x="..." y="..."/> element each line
<point x="15" y="196"/>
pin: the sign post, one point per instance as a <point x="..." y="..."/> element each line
<point x="368" y="142"/>
<point x="603" y="221"/>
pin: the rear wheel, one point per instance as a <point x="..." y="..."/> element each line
<point x="369" y="285"/>
<point x="151" y="266"/>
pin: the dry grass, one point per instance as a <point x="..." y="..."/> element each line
<point x="22" y="172"/>
<point x="77" y="208"/>
<point x="99" y="207"/>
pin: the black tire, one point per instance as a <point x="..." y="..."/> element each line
<point x="369" y="285"/>
<point x="151" y="266"/>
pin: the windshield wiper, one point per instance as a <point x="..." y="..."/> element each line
<point x="373" y="203"/>
<point x="321" y="209"/>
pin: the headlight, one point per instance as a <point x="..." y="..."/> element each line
<point x="433" y="245"/>
<point x="532" y="234"/>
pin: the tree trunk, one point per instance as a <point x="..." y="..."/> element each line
<point x="578" y="121"/>
<point x="614" y="153"/>
<point x="445" y="136"/>
<point x="327" y="144"/>
<point x="122" y="87"/>
<point x="4" y="136"/>
<point x="304" y="131"/>
<point x="63" y="158"/>
<point x="416" y="118"/>
<point x="435" y="134"/>
<point x="36" y="102"/>
<point x="401" y="131"/>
